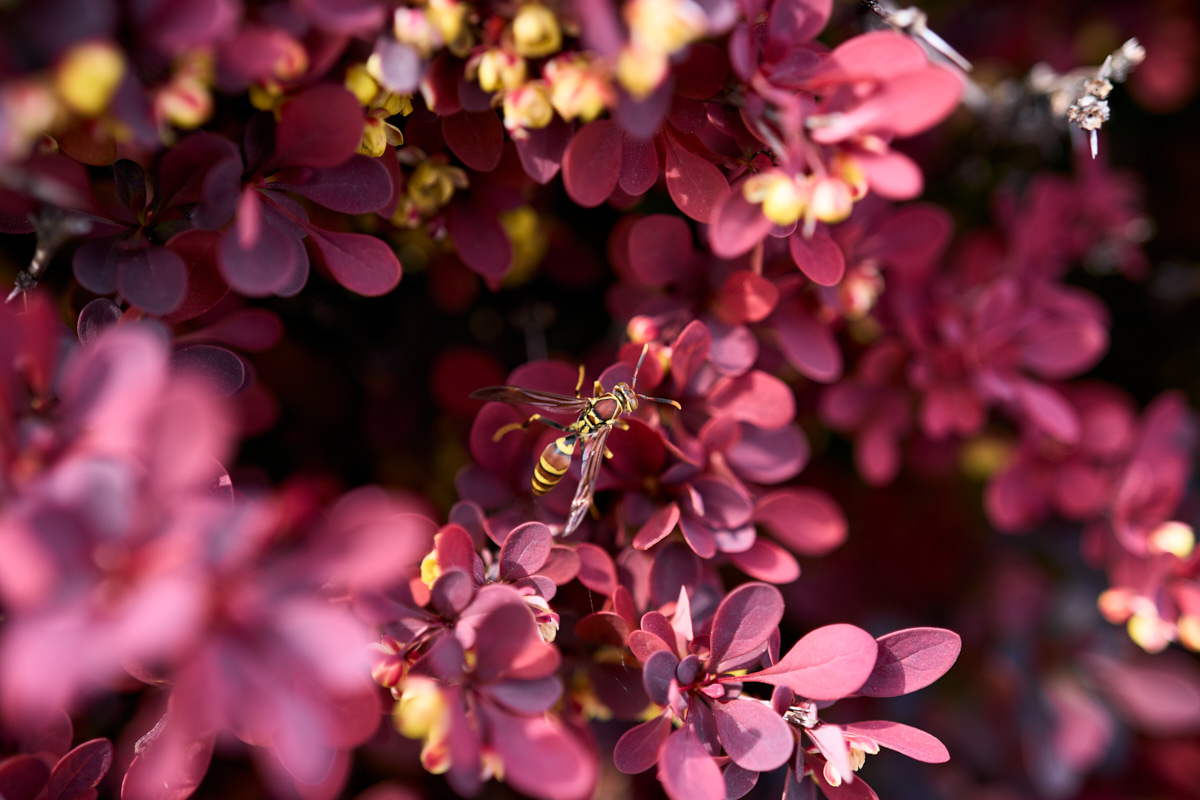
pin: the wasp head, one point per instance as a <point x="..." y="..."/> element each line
<point x="626" y="397"/>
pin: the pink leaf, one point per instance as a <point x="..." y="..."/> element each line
<point x="737" y="225"/>
<point x="808" y="521"/>
<point x="757" y="398"/>
<point x="808" y="344"/>
<point x="911" y="659"/>
<point x="524" y="550"/>
<point x="655" y="529"/>
<point x="832" y="745"/>
<point x="477" y="138"/>
<point x="22" y="777"/>
<point x="828" y="664"/>
<point x="904" y="739"/>
<point x="795" y="21"/>
<point x="746" y="297"/>
<point x="1049" y="410"/>
<point x="592" y="162"/>
<point x="639" y="165"/>
<point x="687" y="771"/>
<point x="892" y="174"/>
<point x="744" y="620"/>
<point x="597" y="570"/>
<point x="767" y="561"/>
<point x="321" y="127"/>
<point x="819" y="258"/>
<point x="359" y="262"/>
<point x="660" y="249"/>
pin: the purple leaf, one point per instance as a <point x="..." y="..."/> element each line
<point x="23" y="776"/>
<point x="767" y="561"/>
<point x="130" y="181"/>
<point x="911" y="659"/>
<point x="738" y="781"/>
<point x="476" y="138"/>
<point x="655" y="529"/>
<point x="220" y="369"/>
<point x="639" y="749"/>
<point x="95" y="265"/>
<point x="185" y="172"/>
<point x="321" y="127"/>
<point x="361" y="263"/>
<point x="904" y="739"/>
<point x="643" y="118"/>
<point x="153" y="279"/>
<point x="686" y="770"/>
<point x="205" y="286"/>
<point x="259" y="255"/>
<point x="541" y="150"/>
<point x="359" y="186"/>
<point x="526" y="697"/>
<point x="97" y="317"/>
<point x="744" y="620"/>
<point x="524" y="551"/>
<point x="597" y="570"/>
<point x="828" y="664"/>
<point x="591" y="163"/>
<point x="452" y="592"/>
<point x="753" y="735"/>
<point x="808" y="344"/>
<point x="808" y="521"/>
<point x="603" y="627"/>
<point x="660" y="249"/>
<point x="80" y="771"/>
<point x="658" y="672"/>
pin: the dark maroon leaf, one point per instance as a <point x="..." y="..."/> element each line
<point x="596" y="571"/>
<point x="359" y="186"/>
<point x="95" y="265"/>
<point x="911" y="659"/>
<point x="452" y="592"/>
<point x="525" y="550"/>
<point x="357" y="261"/>
<point x="345" y="16"/>
<point x="604" y="628"/>
<point x="541" y="150"/>
<point x="744" y="620"/>
<point x="591" y="163"/>
<point x="642" y="118"/>
<point x="258" y="255"/>
<point x="660" y="249"/>
<point x="185" y="169"/>
<point x="321" y="127"/>
<point x="480" y="240"/>
<point x="130" y="181"/>
<point x="702" y="73"/>
<point x="219" y="369"/>
<point x="476" y="138"/>
<point x="22" y="777"/>
<point x="80" y="771"/>
<point x="688" y="670"/>
<point x="154" y="279"/>
<point x="205" y="286"/>
<point x="639" y="749"/>
<point x="753" y="735"/>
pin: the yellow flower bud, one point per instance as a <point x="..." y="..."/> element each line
<point x="265" y="96"/>
<point x="88" y="76"/>
<point x="535" y="30"/>
<point x="665" y="26"/>
<point x="361" y="84"/>
<point x="641" y="70"/>
<point x="185" y="102"/>
<point x="499" y="69"/>
<point x="527" y="107"/>
<point x="431" y="570"/>
<point x="831" y="200"/>
<point x="1173" y="537"/>
<point x="374" y="138"/>
<point x="577" y="88"/>
<point x="784" y="199"/>
<point x="1148" y="632"/>
<point x="1189" y="632"/>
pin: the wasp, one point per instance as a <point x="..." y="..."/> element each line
<point x="598" y="415"/>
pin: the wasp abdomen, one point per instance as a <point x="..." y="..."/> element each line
<point x="553" y="464"/>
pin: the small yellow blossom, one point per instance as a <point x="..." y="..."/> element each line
<point x="88" y="76"/>
<point x="665" y="26"/>
<point x="535" y="31"/>
<point x="642" y="69"/>
<point x="431" y="570"/>
<point x="579" y="88"/>
<point x="784" y="198"/>
<point x="831" y="200"/>
<point x="527" y="107"/>
<point x="1173" y="537"/>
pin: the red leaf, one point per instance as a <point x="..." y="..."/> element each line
<point x="828" y="664"/>
<point x="592" y="162"/>
<point x="477" y="138"/>
<point x="744" y="620"/>
<point x="694" y="183"/>
<point x="205" y="286"/>
<point x="22" y="777"/>
<point x="655" y="529"/>
<point x="753" y="735"/>
<point x="638" y="750"/>
<point x="80" y="771"/>
<point x="358" y="186"/>
<point x="911" y="659"/>
<point x="819" y="258"/>
<point x="891" y="175"/>
<point x="660" y="249"/>
<point x="796" y="21"/>
<point x="808" y="521"/>
<point x="524" y="550"/>
<point x="639" y="165"/>
<point x="808" y="344"/>
<point x="757" y="398"/>
<point x="596" y="569"/>
<point x="746" y="297"/>
<point x="321" y="127"/>
<point x="1049" y="410"/>
<point x="541" y="150"/>
<point x="359" y="262"/>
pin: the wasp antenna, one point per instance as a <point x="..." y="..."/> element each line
<point x="638" y="368"/>
<point x="662" y="400"/>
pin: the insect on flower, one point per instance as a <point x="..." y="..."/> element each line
<point x="598" y="415"/>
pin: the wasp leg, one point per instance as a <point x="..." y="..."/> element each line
<point x="622" y="424"/>
<point x="597" y="389"/>
<point x="607" y="453"/>
<point x="579" y="383"/>
<point x="515" y="426"/>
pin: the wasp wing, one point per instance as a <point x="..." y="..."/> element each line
<point x="530" y="397"/>
<point x="593" y="457"/>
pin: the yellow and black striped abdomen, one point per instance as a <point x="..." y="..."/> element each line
<point x="553" y="464"/>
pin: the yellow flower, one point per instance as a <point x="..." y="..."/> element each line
<point x="535" y="31"/>
<point x="88" y="76"/>
<point x="498" y="69"/>
<point x="784" y="198"/>
<point x="578" y="88"/>
<point x="642" y="69"/>
<point x="665" y="26"/>
<point x="527" y="106"/>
